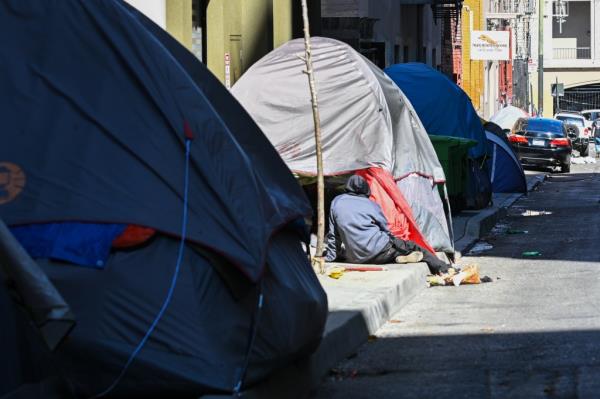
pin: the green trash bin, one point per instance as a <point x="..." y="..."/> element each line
<point x="453" y="155"/>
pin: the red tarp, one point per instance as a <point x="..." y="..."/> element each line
<point x="386" y="193"/>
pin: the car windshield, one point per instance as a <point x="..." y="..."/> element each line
<point x="543" y="125"/>
<point x="571" y="120"/>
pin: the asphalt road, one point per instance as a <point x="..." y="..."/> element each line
<point x="534" y="332"/>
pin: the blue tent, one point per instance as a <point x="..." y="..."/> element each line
<point x="443" y="107"/>
<point x="107" y="120"/>
<point x="505" y="170"/>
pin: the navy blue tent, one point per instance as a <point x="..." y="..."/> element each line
<point x="443" y="107"/>
<point x="108" y="120"/>
<point x="505" y="170"/>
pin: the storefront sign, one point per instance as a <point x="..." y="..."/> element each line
<point x="490" y="45"/>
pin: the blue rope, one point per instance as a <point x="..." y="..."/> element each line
<point x="254" y="330"/>
<point x="173" y="280"/>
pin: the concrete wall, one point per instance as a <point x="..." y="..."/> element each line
<point x="346" y="8"/>
<point x="398" y="26"/>
<point x="432" y="37"/>
<point x="577" y="25"/>
<point x="156" y="10"/>
<point x="387" y="27"/>
<point x="569" y="72"/>
<point x="569" y="77"/>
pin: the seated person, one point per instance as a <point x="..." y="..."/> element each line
<point x="360" y="226"/>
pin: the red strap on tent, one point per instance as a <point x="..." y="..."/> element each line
<point x="133" y="235"/>
<point x="187" y="130"/>
<point x="397" y="211"/>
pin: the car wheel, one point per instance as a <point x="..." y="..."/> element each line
<point x="565" y="168"/>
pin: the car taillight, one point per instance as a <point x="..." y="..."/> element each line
<point x="560" y="143"/>
<point x="517" y="138"/>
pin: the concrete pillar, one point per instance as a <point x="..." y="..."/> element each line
<point x="257" y="31"/>
<point x="548" y="44"/>
<point x="216" y="30"/>
<point x="179" y="20"/>
<point x="283" y="29"/>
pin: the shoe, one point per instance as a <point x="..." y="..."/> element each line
<point x="413" y="257"/>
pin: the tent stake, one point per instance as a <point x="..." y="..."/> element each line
<point x="318" y="261"/>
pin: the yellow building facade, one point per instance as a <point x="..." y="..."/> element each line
<point x="472" y="18"/>
<point x="237" y="33"/>
<point x="240" y="32"/>
<point x="179" y="20"/>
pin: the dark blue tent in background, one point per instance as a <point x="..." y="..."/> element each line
<point x="505" y="171"/>
<point x="443" y="107"/>
<point x="108" y="121"/>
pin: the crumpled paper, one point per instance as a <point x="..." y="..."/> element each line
<point x="468" y="275"/>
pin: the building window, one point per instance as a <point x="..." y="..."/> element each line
<point x="424" y="55"/>
<point x="397" y="54"/>
<point x="406" y="54"/>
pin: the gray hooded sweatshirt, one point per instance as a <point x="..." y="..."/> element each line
<point x="356" y="222"/>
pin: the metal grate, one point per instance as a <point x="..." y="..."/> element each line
<point x="580" y="98"/>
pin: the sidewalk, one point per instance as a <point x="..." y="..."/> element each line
<point x="360" y="303"/>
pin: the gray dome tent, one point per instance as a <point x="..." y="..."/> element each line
<point x="366" y="122"/>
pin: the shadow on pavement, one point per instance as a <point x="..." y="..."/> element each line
<point x="558" y="219"/>
<point x="491" y="365"/>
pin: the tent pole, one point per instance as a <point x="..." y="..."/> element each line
<point x="46" y="307"/>
<point x="318" y="261"/>
<point x="451" y="227"/>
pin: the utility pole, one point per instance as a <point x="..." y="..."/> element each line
<point x="541" y="58"/>
<point x="557" y="97"/>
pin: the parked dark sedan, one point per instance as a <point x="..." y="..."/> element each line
<point x="542" y="142"/>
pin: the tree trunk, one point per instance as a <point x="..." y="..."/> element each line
<point x="318" y="261"/>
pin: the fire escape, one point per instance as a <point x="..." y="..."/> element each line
<point x="515" y="16"/>
<point x="448" y="13"/>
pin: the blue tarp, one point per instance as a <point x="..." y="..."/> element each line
<point x="443" y="107"/>
<point x="505" y="170"/>
<point x="85" y="244"/>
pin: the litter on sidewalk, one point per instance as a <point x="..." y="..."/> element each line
<point x="535" y="213"/>
<point x="511" y="231"/>
<point x="468" y="275"/>
<point x="499" y="228"/>
<point x="338" y="271"/>
<point x="480" y="247"/>
<point x="582" y="160"/>
<point x="365" y="268"/>
<point x="531" y="254"/>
